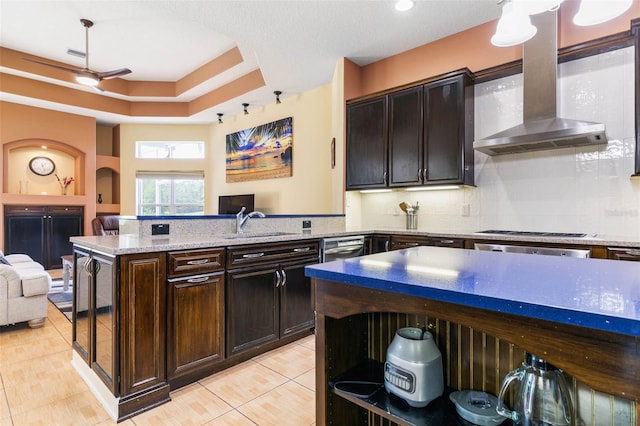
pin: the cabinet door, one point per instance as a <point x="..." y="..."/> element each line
<point x="405" y="137"/>
<point x="82" y="283"/>
<point x="444" y="131"/>
<point x="252" y="308"/>
<point x="296" y="312"/>
<point x="367" y="144"/>
<point x="195" y="323"/>
<point x="143" y="315"/>
<point x="63" y="223"/>
<point x="24" y="230"/>
<point x="622" y="253"/>
<point x="104" y="319"/>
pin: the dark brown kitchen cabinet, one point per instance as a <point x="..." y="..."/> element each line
<point x="624" y="253"/>
<point x="268" y="296"/>
<point x="142" y="332"/>
<point x="448" y="131"/>
<point x="195" y="318"/>
<point x="367" y="138"/>
<point x="119" y="325"/>
<point x="429" y="136"/>
<point x="42" y="232"/>
<point x="398" y="242"/>
<point x="405" y="137"/>
<point x="93" y="322"/>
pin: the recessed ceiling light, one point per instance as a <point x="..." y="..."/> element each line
<point x="404" y="5"/>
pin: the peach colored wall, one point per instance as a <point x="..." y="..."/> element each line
<point x="23" y="129"/>
<point x="472" y="49"/>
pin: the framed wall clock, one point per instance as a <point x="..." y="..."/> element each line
<point x="42" y="166"/>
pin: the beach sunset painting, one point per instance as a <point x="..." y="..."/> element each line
<point x="261" y="152"/>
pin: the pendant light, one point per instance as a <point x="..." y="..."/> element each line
<point x="533" y="7"/>
<point x="593" y="12"/>
<point x="514" y="26"/>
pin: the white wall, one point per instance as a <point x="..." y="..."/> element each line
<point x="308" y="191"/>
<point x="574" y="189"/>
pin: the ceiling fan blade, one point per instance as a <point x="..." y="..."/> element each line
<point x="75" y="71"/>
<point x="113" y="74"/>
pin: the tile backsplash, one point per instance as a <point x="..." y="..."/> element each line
<point x="586" y="189"/>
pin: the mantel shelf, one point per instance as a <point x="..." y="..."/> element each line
<point x="43" y="199"/>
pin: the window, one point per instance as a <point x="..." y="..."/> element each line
<point x="169" y="194"/>
<point x="170" y="149"/>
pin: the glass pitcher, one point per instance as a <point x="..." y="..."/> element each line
<point x="543" y="398"/>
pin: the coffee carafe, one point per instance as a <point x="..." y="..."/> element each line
<point x="543" y="398"/>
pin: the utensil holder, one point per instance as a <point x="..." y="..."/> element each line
<point x="412" y="221"/>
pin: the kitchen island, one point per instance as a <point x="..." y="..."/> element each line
<point x="485" y="309"/>
<point x="182" y="306"/>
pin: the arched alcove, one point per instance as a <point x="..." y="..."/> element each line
<point x="69" y="162"/>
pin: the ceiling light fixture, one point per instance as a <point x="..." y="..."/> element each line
<point x="514" y="26"/>
<point x="220" y="117"/>
<point x="245" y="106"/>
<point x="404" y="5"/>
<point x="593" y="12"/>
<point x="87" y="79"/>
<point x="278" y="93"/>
<point x="531" y="7"/>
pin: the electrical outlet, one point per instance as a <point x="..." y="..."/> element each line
<point x="306" y="224"/>
<point x="160" y="229"/>
<point x="465" y="210"/>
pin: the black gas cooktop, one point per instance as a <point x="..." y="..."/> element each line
<point x="533" y="233"/>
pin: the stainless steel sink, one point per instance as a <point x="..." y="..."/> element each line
<point x="255" y="235"/>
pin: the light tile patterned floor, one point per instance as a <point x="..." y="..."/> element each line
<point x="38" y="386"/>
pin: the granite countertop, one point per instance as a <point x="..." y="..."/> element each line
<point x="132" y="243"/>
<point x="593" y="293"/>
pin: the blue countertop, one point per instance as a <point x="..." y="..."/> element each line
<point x="593" y="293"/>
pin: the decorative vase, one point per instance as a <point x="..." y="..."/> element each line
<point x="99" y="198"/>
<point x="64" y="190"/>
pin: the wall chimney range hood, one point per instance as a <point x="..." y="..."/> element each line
<point x="541" y="128"/>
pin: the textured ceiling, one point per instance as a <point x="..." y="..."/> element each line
<point x="294" y="44"/>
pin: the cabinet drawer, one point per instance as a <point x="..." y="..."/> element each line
<point x="65" y="210"/>
<point x="622" y="253"/>
<point x="25" y="210"/>
<point x="192" y="262"/>
<point x="257" y="254"/>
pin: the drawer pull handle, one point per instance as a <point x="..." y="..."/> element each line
<point x="446" y="241"/>
<point x="197" y="280"/>
<point x="284" y="278"/>
<point x="301" y="250"/>
<point x="633" y="252"/>
<point x="198" y="262"/>
<point x="252" y="255"/>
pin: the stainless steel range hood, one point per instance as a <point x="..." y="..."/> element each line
<point x="542" y="128"/>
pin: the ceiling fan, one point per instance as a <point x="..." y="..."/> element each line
<point x="87" y="76"/>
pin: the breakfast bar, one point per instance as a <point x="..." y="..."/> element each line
<point x="485" y="309"/>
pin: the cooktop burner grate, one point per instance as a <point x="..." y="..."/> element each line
<point x="534" y="233"/>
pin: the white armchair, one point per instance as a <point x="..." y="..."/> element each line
<point x="24" y="285"/>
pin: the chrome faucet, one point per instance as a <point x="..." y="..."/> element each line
<point x="241" y="218"/>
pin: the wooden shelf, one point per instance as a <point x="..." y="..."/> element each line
<point x="43" y="199"/>
<point x="108" y="208"/>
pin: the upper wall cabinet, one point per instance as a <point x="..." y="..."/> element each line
<point x="417" y="136"/>
<point x="367" y="144"/>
